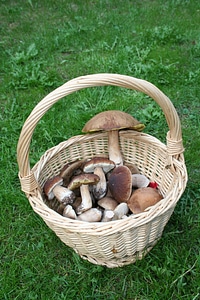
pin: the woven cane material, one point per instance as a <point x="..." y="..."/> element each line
<point x="120" y="242"/>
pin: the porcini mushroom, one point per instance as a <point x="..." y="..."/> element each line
<point x="71" y="169"/>
<point x="120" y="184"/>
<point x="53" y="188"/>
<point x="143" y="198"/>
<point x="99" y="166"/>
<point x="83" y="181"/>
<point x="112" y="121"/>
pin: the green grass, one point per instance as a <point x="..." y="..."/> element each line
<point x="46" y="43"/>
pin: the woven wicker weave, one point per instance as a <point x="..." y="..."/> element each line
<point x="121" y="242"/>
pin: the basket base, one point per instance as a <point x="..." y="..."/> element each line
<point x="119" y="262"/>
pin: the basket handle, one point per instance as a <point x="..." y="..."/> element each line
<point x="174" y="135"/>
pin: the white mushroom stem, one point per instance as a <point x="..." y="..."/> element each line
<point x="107" y="215"/>
<point x="100" y="189"/>
<point x="69" y="212"/>
<point x="91" y="215"/>
<point x="114" y="148"/>
<point x="63" y="194"/>
<point x="86" y="199"/>
<point x="120" y="211"/>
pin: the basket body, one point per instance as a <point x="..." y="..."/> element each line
<point x="120" y="242"/>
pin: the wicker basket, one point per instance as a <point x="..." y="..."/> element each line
<point x="120" y="242"/>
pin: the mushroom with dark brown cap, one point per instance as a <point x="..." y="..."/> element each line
<point x="120" y="184"/>
<point x="99" y="166"/>
<point x="53" y="188"/>
<point x="83" y="181"/>
<point x="112" y="121"/>
<point x="71" y="169"/>
<point x="143" y="198"/>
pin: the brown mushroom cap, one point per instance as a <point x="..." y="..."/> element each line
<point x="81" y="179"/>
<point x="50" y="185"/>
<point x="120" y="184"/>
<point x="143" y="198"/>
<point x="112" y="120"/>
<point x="71" y="169"/>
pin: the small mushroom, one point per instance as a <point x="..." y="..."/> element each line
<point x="83" y="181"/>
<point x="99" y="166"/>
<point x="53" y="188"/>
<point x="112" y="121"/>
<point x="69" y="212"/>
<point x="139" y="181"/>
<point x="143" y="198"/>
<point x="91" y="215"/>
<point x="120" y="184"/>
<point x="120" y="211"/>
<point x="108" y="203"/>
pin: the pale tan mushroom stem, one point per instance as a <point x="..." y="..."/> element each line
<point x="86" y="199"/>
<point x="114" y="147"/>
<point x="100" y="189"/>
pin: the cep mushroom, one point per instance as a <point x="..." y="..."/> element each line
<point x="112" y="121"/>
<point x="53" y="188"/>
<point x="83" y="181"/>
<point x="99" y="166"/>
<point x="71" y="169"/>
<point x="143" y="198"/>
<point x="120" y="184"/>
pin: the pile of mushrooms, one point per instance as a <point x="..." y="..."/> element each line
<point x="103" y="189"/>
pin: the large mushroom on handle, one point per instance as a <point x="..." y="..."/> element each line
<point x="112" y="121"/>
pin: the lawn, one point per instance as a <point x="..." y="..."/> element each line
<point x="43" y="45"/>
